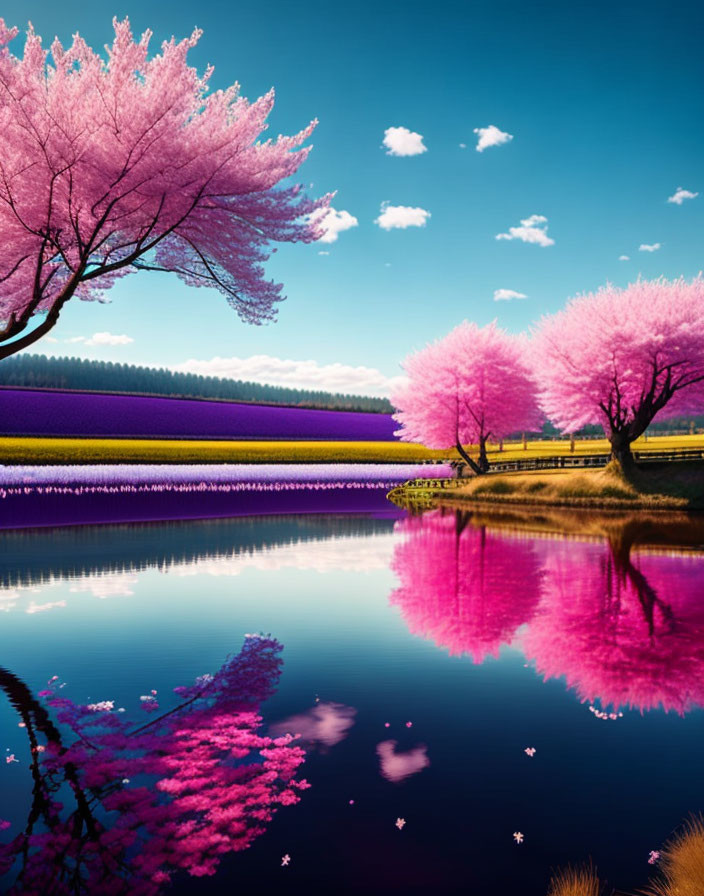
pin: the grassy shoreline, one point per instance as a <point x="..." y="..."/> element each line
<point x="666" y="486"/>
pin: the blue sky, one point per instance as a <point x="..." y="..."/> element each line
<point x="605" y="106"/>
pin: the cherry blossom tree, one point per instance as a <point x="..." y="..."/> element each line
<point x="467" y="589"/>
<point x="626" y="631"/>
<point x="118" y="808"/>
<point x="128" y="164"/>
<point x="466" y="388"/>
<point x="621" y="357"/>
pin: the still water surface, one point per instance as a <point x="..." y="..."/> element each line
<point x="421" y="657"/>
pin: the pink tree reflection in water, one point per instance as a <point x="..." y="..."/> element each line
<point x="467" y="589"/>
<point x="118" y="811"/>
<point x="627" y="631"/>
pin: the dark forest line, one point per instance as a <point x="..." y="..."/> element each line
<point x="40" y="372"/>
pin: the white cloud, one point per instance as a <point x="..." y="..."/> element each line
<point x="104" y="338"/>
<point x="501" y="295"/>
<point x="491" y="136"/>
<point x="463" y="146"/>
<point x="297" y="374"/>
<point x="333" y="222"/>
<point x="624" y="258"/>
<point x="649" y="247"/>
<point x="402" y="142"/>
<point x="401" y="216"/>
<point x="323" y="253"/>
<point x="679" y="196"/>
<point x="532" y="230"/>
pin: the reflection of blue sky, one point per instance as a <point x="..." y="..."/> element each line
<point x="120" y="635"/>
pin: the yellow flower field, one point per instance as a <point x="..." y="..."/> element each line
<point x="26" y="450"/>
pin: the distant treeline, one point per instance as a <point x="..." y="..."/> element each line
<point x="40" y="372"/>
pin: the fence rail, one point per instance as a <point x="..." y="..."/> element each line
<point x="567" y="461"/>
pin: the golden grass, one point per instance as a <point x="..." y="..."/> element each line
<point x="575" y="882"/>
<point x="24" y="450"/>
<point x="559" y="447"/>
<point x="682" y="863"/>
<point x="657" y="487"/>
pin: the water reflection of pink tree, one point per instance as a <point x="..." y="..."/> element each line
<point x="468" y="589"/>
<point x="625" y="630"/>
<point x="117" y="810"/>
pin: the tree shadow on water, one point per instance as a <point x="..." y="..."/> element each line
<point x="118" y="808"/>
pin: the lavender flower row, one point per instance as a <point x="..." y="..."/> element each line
<point x="125" y="478"/>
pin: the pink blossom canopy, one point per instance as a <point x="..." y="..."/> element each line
<point x="619" y="353"/>
<point x="629" y="634"/>
<point x="466" y="589"/>
<point x="468" y="386"/>
<point x="112" y="166"/>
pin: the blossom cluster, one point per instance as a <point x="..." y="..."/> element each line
<point x="176" y="793"/>
<point x="626" y="630"/>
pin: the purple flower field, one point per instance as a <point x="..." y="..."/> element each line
<point x="37" y="413"/>
<point x="130" y="478"/>
<point x="75" y="495"/>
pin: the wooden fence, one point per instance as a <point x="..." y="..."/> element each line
<point x="567" y="461"/>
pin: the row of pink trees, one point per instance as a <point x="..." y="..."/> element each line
<point x="623" y="628"/>
<point x="618" y="358"/>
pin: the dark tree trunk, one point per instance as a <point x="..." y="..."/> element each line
<point x="621" y="450"/>
<point x="483" y="459"/>
<point x="468" y="460"/>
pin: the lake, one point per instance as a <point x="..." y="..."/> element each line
<point x="421" y="656"/>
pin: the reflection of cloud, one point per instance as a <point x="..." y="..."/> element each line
<point x="359" y="553"/>
<point x="41" y="608"/>
<point x="395" y="766"/>
<point x="325" y="723"/>
<point x="102" y="586"/>
<point x="8" y="599"/>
